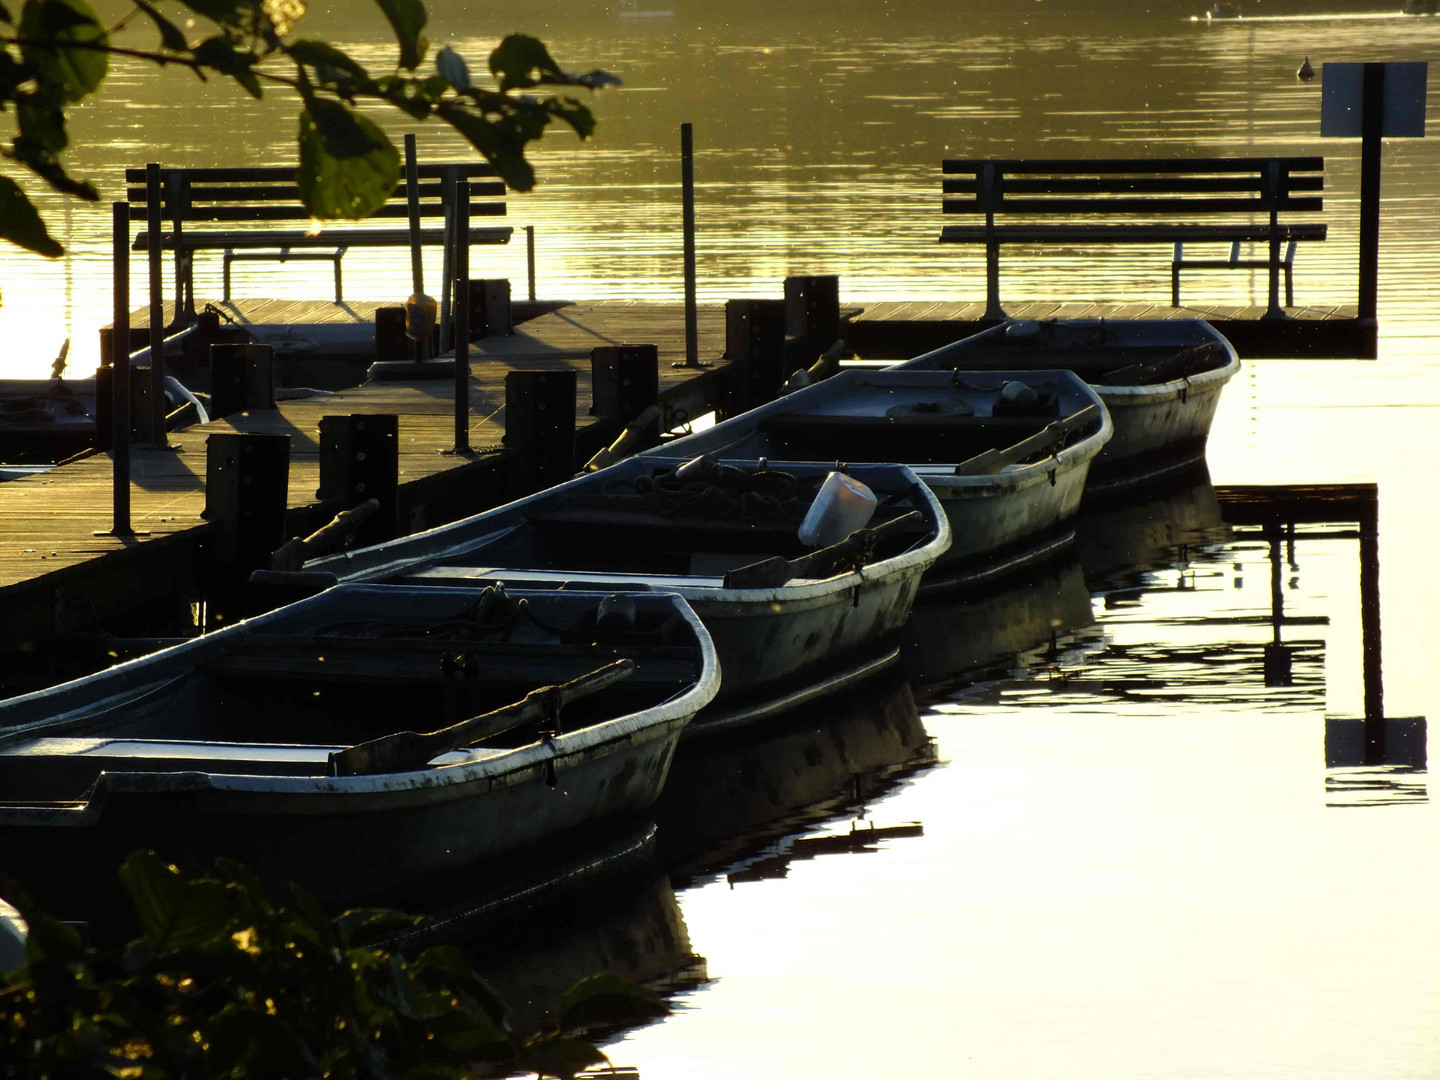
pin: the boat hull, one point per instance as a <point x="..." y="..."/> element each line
<point x="1160" y="429"/>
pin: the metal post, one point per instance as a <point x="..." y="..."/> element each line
<point x="412" y="182"/>
<point x="1372" y="115"/>
<point x="687" y="200"/>
<point x="530" y="258"/>
<point x="120" y="372"/>
<point x="448" y="297"/>
<point x="462" y="316"/>
<point x="157" y="305"/>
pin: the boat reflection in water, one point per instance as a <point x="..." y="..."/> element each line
<point x="741" y="807"/>
<point x="997" y="634"/>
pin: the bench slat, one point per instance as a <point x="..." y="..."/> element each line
<point x="1139" y="166"/>
<point x="1138" y="234"/>
<point x="1175" y="185"/>
<point x="432" y="190"/>
<point x="210" y="240"/>
<point x="296" y="212"/>
<point x="1138" y="206"/>
<point x="260" y="173"/>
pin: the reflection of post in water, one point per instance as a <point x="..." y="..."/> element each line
<point x="1374" y="739"/>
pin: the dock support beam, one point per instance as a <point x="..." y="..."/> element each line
<point x="812" y="319"/>
<point x="242" y="377"/>
<point x="539" y="428"/>
<point x="489" y="307"/>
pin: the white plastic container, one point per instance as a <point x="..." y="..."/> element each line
<point x="841" y="506"/>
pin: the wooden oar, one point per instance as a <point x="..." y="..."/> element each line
<point x="406" y="750"/>
<point x="777" y="570"/>
<point x="625" y="444"/>
<point x="992" y="461"/>
<point x="292" y="554"/>
<point x="1161" y="371"/>
<point x="823" y="368"/>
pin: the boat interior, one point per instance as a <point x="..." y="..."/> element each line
<point x="279" y="702"/>
<point x="668" y="529"/>
<point x="1095" y="357"/>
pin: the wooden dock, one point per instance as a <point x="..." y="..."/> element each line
<point x="61" y="583"/>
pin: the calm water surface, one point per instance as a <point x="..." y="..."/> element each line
<point x="1118" y="853"/>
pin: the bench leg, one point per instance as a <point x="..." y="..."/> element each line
<point x="993" y="310"/>
<point x="339" y="289"/>
<point x="1174" y="284"/>
<point x="225" y="295"/>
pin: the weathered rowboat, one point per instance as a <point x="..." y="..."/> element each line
<point x="1159" y="378"/>
<point x="788" y="625"/>
<point x="1008" y="468"/>
<point x="243" y="742"/>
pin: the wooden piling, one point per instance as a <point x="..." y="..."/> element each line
<point x="687" y="207"/>
<point x="247" y="478"/>
<point x="120" y="365"/>
<point x="460" y="286"/>
<point x="624" y="382"/>
<point x="812" y="308"/>
<point x="754" y="346"/>
<point x="156" y="396"/>
<point x="242" y="377"/>
<point x="360" y="460"/>
<point x="390" y="340"/>
<point x="490" y="307"/>
<point x="539" y="428"/>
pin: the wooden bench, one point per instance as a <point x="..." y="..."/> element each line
<point x="1239" y="200"/>
<point x="262" y="218"/>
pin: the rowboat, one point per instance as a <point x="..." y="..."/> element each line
<point x="275" y="740"/>
<point x="43" y="421"/>
<point x="1160" y="379"/>
<point x="788" y="625"/>
<point x="1006" y="457"/>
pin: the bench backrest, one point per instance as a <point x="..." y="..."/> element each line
<point x="1138" y="187"/>
<point x="269" y="193"/>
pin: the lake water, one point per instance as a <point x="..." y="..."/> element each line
<point x="1116" y="853"/>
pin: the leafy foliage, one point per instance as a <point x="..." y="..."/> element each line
<point x="224" y="981"/>
<point x="58" y="51"/>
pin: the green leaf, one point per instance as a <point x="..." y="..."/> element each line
<point x="407" y="17"/>
<point x="348" y="168"/>
<point x="5" y="14"/>
<point x="606" y="998"/>
<point x="560" y="1057"/>
<point x="71" y="73"/>
<point x="170" y="36"/>
<point x="520" y="61"/>
<point x="41" y="123"/>
<point x="371" y="926"/>
<point x="221" y="54"/>
<point x="499" y="144"/>
<point x="321" y="55"/>
<point x="175" y="913"/>
<point x="21" y="224"/>
<point x="224" y="12"/>
<point x="574" y="113"/>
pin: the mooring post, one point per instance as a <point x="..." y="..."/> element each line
<point x="460" y="285"/>
<point x="242" y="377"/>
<point x="153" y="208"/>
<point x="1372" y="677"/>
<point x="1372" y="122"/>
<point x="247" y="477"/>
<point x="624" y="382"/>
<point x="539" y="428"/>
<point x="687" y="205"/>
<point x="120" y="372"/>
<point x="755" y="349"/>
<point x="359" y="460"/>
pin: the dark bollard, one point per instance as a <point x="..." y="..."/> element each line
<point x="754" y="346"/>
<point x="812" y="309"/>
<point x="359" y="460"/>
<point x="539" y="428"/>
<point x="489" y="308"/>
<point x="242" y="377"/>
<point x="624" y="382"/>
<point x="247" y="479"/>
<point x="390" y="340"/>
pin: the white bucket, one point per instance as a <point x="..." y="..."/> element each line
<point x="841" y="506"/>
